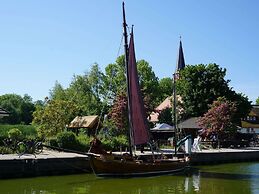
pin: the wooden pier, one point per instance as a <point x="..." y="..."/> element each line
<point x="60" y="163"/>
<point x="224" y="155"/>
<point x="45" y="164"/>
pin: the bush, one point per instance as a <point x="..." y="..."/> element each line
<point x="5" y="150"/>
<point x="2" y="138"/>
<point x="83" y="142"/>
<point x="114" y="143"/>
<point x="67" y="140"/>
<point x="108" y="144"/>
<point x="52" y="142"/>
<point x="27" y="130"/>
<point x="15" y="134"/>
<point x="120" y="142"/>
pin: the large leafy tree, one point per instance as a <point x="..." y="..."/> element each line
<point x="165" y="116"/>
<point x="86" y="91"/>
<point x="149" y="83"/>
<point x="219" y="117"/>
<point x="20" y="108"/>
<point x="83" y="97"/>
<point x="115" y="79"/>
<point x="165" y="88"/>
<point x="201" y="84"/>
<point x="95" y="79"/>
<point x="53" y="117"/>
<point x="58" y="92"/>
<point x="257" y="101"/>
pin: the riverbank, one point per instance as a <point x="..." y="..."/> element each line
<point x="52" y="162"/>
<point x="45" y="164"/>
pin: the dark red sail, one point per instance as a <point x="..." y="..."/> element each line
<point x="137" y="113"/>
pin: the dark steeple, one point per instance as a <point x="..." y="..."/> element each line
<point x="180" y="61"/>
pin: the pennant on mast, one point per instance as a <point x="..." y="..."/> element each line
<point x="180" y="62"/>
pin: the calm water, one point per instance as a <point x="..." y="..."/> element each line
<point x="217" y="179"/>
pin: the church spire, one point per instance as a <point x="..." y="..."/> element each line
<point x="180" y="61"/>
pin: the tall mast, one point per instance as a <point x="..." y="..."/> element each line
<point x="174" y="114"/>
<point x="126" y="50"/>
<point x="179" y="66"/>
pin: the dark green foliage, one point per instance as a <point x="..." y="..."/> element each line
<point x="165" y="116"/>
<point x="54" y="116"/>
<point x="15" y="134"/>
<point x="82" y="97"/>
<point x="5" y="150"/>
<point x="27" y="130"/>
<point x="120" y="142"/>
<point x="67" y="140"/>
<point x="52" y="142"/>
<point x="20" y="109"/>
<point x="257" y="101"/>
<point x="165" y="88"/>
<point x="149" y="84"/>
<point x="201" y="84"/>
<point x="115" y="143"/>
<point x="11" y="135"/>
<point x="83" y="142"/>
<point x="115" y="80"/>
<point x="243" y="106"/>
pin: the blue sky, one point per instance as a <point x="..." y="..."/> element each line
<point x="46" y="41"/>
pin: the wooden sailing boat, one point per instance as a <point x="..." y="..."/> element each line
<point x="112" y="165"/>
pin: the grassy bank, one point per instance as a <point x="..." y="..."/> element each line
<point x="27" y="130"/>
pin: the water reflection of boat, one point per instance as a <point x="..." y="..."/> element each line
<point x="128" y="165"/>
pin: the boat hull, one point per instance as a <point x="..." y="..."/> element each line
<point x="107" y="167"/>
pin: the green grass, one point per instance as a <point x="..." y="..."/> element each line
<point x="27" y="130"/>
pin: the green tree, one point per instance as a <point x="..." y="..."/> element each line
<point x="165" y="116"/>
<point x="201" y="84"/>
<point x="243" y="106"/>
<point x="27" y="109"/>
<point x="54" y="116"/>
<point x="96" y="81"/>
<point x="86" y="91"/>
<point x="148" y="83"/>
<point x="257" y="101"/>
<point x="165" y="88"/>
<point x="115" y="80"/>
<point x="20" y="108"/>
<point x="83" y="97"/>
<point x="80" y="91"/>
<point x="58" y="92"/>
